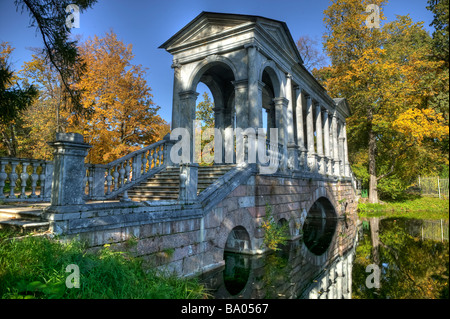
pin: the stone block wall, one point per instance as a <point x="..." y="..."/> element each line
<point x="186" y="239"/>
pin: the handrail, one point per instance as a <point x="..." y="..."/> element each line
<point x="137" y="152"/>
<point x="107" y="181"/>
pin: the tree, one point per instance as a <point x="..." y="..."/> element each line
<point x="312" y="57"/>
<point x="121" y="117"/>
<point x="45" y="116"/>
<point x="440" y="9"/>
<point x="386" y="75"/>
<point x="49" y="17"/>
<point x="13" y="100"/>
<point x="205" y="114"/>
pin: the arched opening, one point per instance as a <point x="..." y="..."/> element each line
<point x="269" y="92"/>
<point x="319" y="226"/>
<point x="216" y="110"/>
<point x="238" y="241"/>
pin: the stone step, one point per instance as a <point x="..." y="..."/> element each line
<point x="165" y="185"/>
<point x="24" y="226"/>
<point x="21" y="213"/>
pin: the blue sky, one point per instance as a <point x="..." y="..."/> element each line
<point x="148" y="24"/>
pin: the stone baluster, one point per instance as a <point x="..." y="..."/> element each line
<point x="13" y="178"/>
<point x="116" y="176"/>
<point x="34" y="179"/>
<point x="160" y="153"/>
<point x="144" y="163"/>
<point x="109" y="179"/>
<point x="24" y="178"/>
<point x="127" y="172"/>
<point x="3" y="177"/>
<point x="121" y="177"/>
<point x="150" y="159"/>
<point x="42" y="180"/>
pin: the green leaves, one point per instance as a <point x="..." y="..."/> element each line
<point x="275" y="234"/>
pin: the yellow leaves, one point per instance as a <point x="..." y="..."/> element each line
<point x="418" y="124"/>
<point x="124" y="117"/>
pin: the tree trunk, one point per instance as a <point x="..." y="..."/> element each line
<point x="373" y="182"/>
<point x="374" y="223"/>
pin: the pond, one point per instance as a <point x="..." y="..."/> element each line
<point x="387" y="258"/>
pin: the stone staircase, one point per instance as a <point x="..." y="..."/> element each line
<point x="23" y="218"/>
<point x="166" y="184"/>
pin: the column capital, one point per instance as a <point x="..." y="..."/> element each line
<point x="281" y="101"/>
<point x="188" y="94"/>
<point x="240" y="84"/>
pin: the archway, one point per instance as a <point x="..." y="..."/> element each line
<point x="238" y="241"/>
<point x="319" y="226"/>
<point x="218" y="77"/>
<point x="270" y="91"/>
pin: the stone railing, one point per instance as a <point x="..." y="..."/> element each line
<point x="109" y="180"/>
<point x="25" y="180"/>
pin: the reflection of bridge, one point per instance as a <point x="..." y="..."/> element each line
<point x="251" y="66"/>
<point x="295" y="272"/>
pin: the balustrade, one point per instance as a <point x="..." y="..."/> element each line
<point x="108" y="181"/>
<point x="25" y="179"/>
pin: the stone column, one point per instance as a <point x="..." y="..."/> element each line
<point x="187" y="114"/>
<point x="281" y="120"/>
<point x="176" y="117"/>
<point x="310" y="135"/>
<point x="241" y="103"/>
<point x="319" y="138"/>
<point x="68" y="187"/>
<point x="336" y="165"/>
<point x="300" y="130"/>
<point x="254" y="92"/>
<point x="326" y="133"/>
<point x="291" y="146"/>
<point x="188" y="171"/>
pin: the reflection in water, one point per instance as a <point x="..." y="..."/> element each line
<point x="413" y="256"/>
<point x="295" y="271"/>
<point x="236" y="272"/>
<point x="318" y="234"/>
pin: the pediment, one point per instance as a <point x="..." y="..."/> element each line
<point x="282" y="37"/>
<point x="342" y="106"/>
<point x="209" y="26"/>
<point x="205" y="26"/>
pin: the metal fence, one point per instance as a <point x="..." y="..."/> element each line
<point x="433" y="186"/>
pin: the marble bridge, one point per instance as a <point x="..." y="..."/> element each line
<point x="185" y="215"/>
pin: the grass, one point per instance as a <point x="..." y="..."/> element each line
<point x="35" y="267"/>
<point x="412" y="206"/>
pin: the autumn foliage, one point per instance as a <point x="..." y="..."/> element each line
<point x="118" y="113"/>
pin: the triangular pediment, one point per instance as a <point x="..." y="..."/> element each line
<point x="281" y="36"/>
<point x="342" y="106"/>
<point x="204" y="27"/>
<point x="210" y="26"/>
